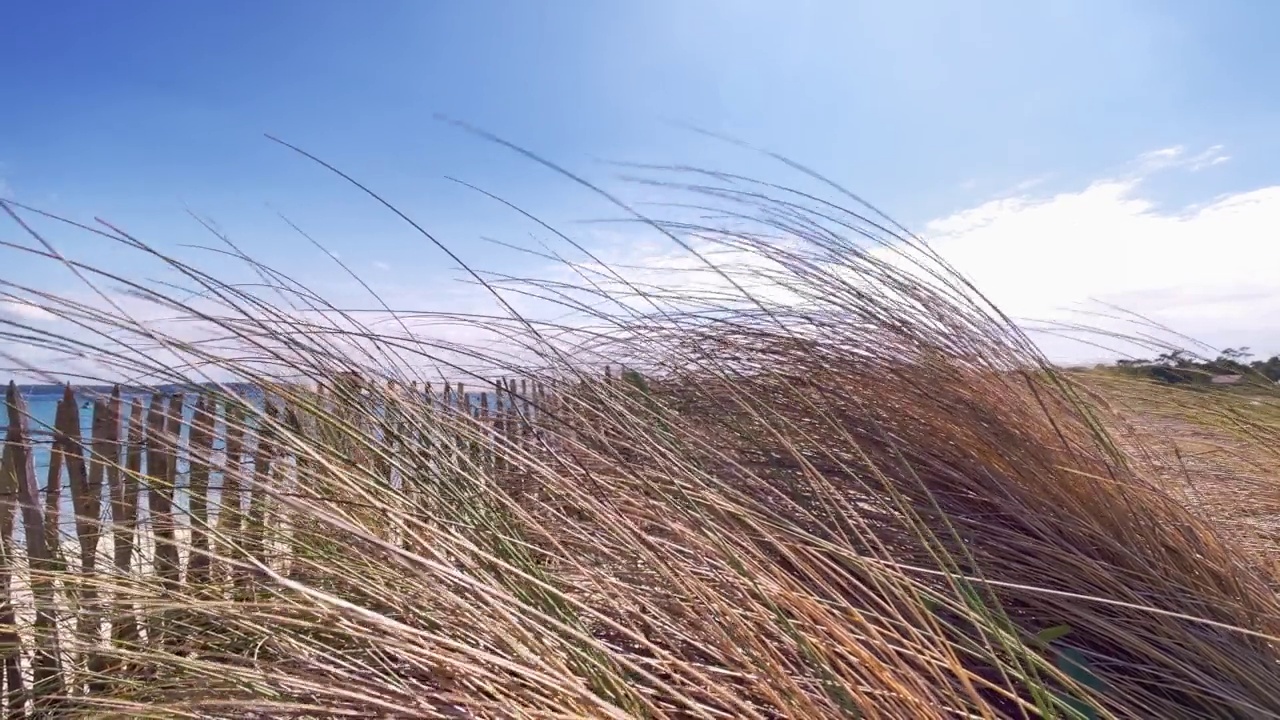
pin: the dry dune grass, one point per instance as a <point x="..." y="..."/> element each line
<point x="1213" y="450"/>
<point x="870" y="500"/>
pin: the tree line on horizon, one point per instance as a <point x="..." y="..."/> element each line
<point x="1181" y="366"/>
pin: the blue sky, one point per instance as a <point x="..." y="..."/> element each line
<point x="135" y="111"/>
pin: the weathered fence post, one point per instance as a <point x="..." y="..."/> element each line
<point x="264" y="457"/>
<point x="160" y="503"/>
<point x="53" y="492"/>
<point x="46" y="686"/>
<point x="526" y="424"/>
<point x="486" y="429"/>
<point x="173" y="448"/>
<point x="86" y="503"/>
<point x="303" y="528"/>
<point x="230" y="516"/>
<point x="201" y="453"/>
<point x="15" y="692"/>
<point x="105" y="453"/>
<point x="124" y="516"/>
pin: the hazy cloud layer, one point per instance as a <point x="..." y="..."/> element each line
<point x="1210" y="271"/>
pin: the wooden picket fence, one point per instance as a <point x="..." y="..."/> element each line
<point x="125" y="483"/>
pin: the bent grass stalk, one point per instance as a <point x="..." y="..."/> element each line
<point x="826" y="480"/>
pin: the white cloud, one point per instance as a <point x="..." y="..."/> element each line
<point x="1208" y="158"/>
<point x="379" y="265"/>
<point x="1162" y="156"/>
<point x="24" y="310"/>
<point x="1177" y="157"/>
<point x="1209" y="272"/>
<point x="130" y="337"/>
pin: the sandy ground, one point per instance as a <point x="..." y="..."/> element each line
<point x="1195" y="449"/>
